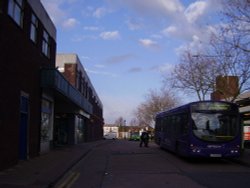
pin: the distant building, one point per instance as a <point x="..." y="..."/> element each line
<point x="226" y="87"/>
<point x="110" y="129"/>
<point x="72" y="69"/>
<point x="125" y="132"/>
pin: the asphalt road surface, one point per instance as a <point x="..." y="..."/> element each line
<point x="123" y="164"/>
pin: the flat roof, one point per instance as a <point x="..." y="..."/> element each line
<point x="72" y="58"/>
<point x="43" y="16"/>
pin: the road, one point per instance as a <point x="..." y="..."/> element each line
<point x="123" y="164"/>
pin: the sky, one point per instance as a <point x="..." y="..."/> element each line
<point x="127" y="46"/>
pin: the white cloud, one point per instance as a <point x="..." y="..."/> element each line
<point x="70" y="23"/>
<point x="100" y="12"/>
<point x="110" y="35"/>
<point x="81" y="38"/>
<point x="167" y="5"/>
<point x="134" y="24"/>
<point x="196" y="45"/>
<point x="200" y="40"/>
<point x="54" y="10"/>
<point x="103" y="73"/>
<point x="182" y="30"/>
<point x="181" y="22"/>
<point x="148" y="43"/>
<point x="152" y="7"/>
<point x="59" y="15"/>
<point x="91" y="28"/>
<point x="166" y="68"/>
<point x="196" y="10"/>
<point x="169" y="30"/>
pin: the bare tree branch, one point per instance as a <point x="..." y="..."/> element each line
<point x="154" y="103"/>
<point x="195" y="73"/>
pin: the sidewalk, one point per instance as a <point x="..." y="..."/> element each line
<point x="45" y="170"/>
<point x="244" y="158"/>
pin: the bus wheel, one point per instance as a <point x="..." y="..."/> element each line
<point x="160" y="144"/>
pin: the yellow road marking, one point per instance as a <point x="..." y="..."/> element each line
<point x="68" y="182"/>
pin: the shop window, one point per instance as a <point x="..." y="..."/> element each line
<point x="45" y="127"/>
<point x="46" y="124"/>
<point x="15" y="10"/>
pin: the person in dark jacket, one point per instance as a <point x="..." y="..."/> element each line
<point x="144" y="139"/>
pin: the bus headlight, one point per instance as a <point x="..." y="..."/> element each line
<point x="234" y="151"/>
<point x="195" y="149"/>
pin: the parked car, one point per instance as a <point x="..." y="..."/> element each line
<point x="135" y="136"/>
<point x="110" y="135"/>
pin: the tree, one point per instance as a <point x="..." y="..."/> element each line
<point x="231" y="46"/>
<point x="237" y="17"/>
<point x="134" y="122"/>
<point x="228" y="55"/>
<point x="232" y="61"/>
<point x="195" y="74"/>
<point x="120" y="121"/>
<point x="155" y="102"/>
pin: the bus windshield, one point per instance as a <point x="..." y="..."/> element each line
<point x="214" y="126"/>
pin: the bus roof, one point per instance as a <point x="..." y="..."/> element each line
<point x="187" y="107"/>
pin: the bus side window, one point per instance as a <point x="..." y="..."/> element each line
<point x="173" y="125"/>
<point x="161" y="125"/>
<point x="165" y="122"/>
<point x="178" y="125"/>
<point x="184" y="123"/>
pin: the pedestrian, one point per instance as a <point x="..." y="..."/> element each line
<point x="144" y="139"/>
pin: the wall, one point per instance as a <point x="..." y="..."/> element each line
<point x="20" y="63"/>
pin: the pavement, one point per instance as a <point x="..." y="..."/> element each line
<point x="46" y="170"/>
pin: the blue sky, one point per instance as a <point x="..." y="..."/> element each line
<point x="127" y="45"/>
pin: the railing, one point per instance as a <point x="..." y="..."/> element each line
<point x="52" y="78"/>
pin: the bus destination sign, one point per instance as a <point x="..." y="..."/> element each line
<point x="211" y="106"/>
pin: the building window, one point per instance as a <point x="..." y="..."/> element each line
<point x="45" y="44"/>
<point x="15" y="10"/>
<point x="33" y="28"/>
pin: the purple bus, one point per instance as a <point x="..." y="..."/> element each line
<point x="200" y="129"/>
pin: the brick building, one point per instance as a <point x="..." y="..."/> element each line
<point x="226" y="87"/>
<point x="72" y="69"/>
<point x="27" y="43"/>
<point x="40" y="107"/>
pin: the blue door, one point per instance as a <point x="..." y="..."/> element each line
<point x="23" y="131"/>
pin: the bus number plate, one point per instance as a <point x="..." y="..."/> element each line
<point x="215" y="155"/>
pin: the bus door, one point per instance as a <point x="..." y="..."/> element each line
<point x="181" y="132"/>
